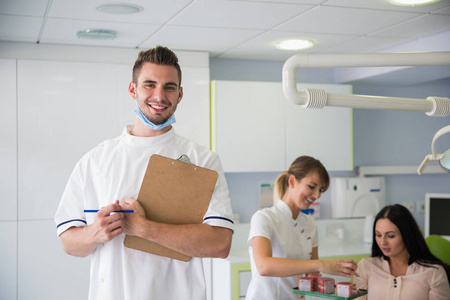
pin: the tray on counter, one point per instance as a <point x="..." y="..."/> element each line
<point x="362" y="292"/>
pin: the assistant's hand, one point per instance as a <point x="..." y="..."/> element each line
<point x="132" y="221"/>
<point x="341" y="267"/>
<point x="107" y="226"/>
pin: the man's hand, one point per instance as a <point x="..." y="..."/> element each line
<point x="82" y="241"/>
<point x="107" y="224"/>
<point x="132" y="221"/>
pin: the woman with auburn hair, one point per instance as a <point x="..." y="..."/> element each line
<point x="283" y="241"/>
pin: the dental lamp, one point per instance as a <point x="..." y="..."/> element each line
<point x="444" y="158"/>
<point x="318" y="98"/>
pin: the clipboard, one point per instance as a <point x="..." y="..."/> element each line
<point x="175" y="192"/>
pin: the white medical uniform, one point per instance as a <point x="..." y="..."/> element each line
<point x="114" y="170"/>
<point x="289" y="238"/>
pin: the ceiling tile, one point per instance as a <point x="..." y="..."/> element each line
<point x="315" y="2"/>
<point x="443" y="11"/>
<point x="64" y="31"/>
<point x="344" y="20"/>
<point x="418" y="27"/>
<point x="200" y="39"/>
<point x="237" y="14"/>
<point x="386" y="5"/>
<point x="18" y="28"/>
<point x="155" y="11"/>
<point x="365" y="45"/>
<point x="23" y="7"/>
<point x="245" y="29"/>
<point x="263" y="46"/>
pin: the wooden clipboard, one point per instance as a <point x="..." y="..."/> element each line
<point x="175" y="192"/>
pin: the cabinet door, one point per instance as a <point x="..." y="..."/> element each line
<point x="192" y="115"/>
<point x="64" y="109"/>
<point x="8" y="140"/>
<point x="325" y="134"/>
<point x="258" y="130"/>
<point x="244" y="282"/>
<point x="250" y="125"/>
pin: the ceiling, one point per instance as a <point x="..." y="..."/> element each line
<point x="238" y="29"/>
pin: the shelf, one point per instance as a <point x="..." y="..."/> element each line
<point x="397" y="170"/>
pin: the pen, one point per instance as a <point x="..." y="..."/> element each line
<point x="96" y="210"/>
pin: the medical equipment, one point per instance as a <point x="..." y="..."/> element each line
<point x="444" y="158"/>
<point x="357" y="196"/>
<point x="319" y="98"/>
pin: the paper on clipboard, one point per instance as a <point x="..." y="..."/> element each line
<point x="175" y="192"/>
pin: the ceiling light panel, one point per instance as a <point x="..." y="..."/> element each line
<point x="412" y="2"/>
<point x="293" y="45"/>
<point x="87" y="10"/>
<point x="97" y="34"/>
<point x="386" y="5"/>
<point x="119" y="8"/>
<point x="64" y="31"/>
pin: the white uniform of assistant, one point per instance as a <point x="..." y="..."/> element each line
<point x="114" y="170"/>
<point x="289" y="238"/>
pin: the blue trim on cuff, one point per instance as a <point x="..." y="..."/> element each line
<point x="74" y="220"/>
<point x="220" y="218"/>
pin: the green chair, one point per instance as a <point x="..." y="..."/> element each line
<point x="439" y="246"/>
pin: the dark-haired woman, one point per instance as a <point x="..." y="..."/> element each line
<point x="401" y="266"/>
<point x="283" y="242"/>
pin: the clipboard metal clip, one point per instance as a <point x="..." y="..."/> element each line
<point x="184" y="158"/>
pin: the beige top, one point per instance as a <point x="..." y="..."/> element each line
<point x="419" y="283"/>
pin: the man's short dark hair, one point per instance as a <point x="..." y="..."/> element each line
<point x="159" y="55"/>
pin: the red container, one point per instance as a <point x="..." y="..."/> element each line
<point x="326" y="285"/>
<point x="306" y="284"/>
<point x="346" y="289"/>
<point x="315" y="278"/>
<point x="343" y="289"/>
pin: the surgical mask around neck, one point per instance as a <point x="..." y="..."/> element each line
<point x="149" y="124"/>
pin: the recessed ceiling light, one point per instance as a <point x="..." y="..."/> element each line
<point x="412" y="2"/>
<point x="120" y="8"/>
<point x="294" y="44"/>
<point x="97" y="34"/>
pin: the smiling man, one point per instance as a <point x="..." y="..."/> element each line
<point x="109" y="177"/>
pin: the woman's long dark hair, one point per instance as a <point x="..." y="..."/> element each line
<point x="414" y="242"/>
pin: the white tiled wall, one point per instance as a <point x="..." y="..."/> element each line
<point x="52" y="113"/>
<point x="8" y="260"/>
<point x="8" y="180"/>
<point x="8" y="141"/>
<point x="45" y="271"/>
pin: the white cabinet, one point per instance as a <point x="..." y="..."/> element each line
<point x="244" y="281"/>
<point x="8" y="140"/>
<point x="255" y="129"/>
<point x="193" y="112"/>
<point x="250" y="125"/>
<point x="230" y="278"/>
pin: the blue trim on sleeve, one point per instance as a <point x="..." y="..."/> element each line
<point x="220" y="218"/>
<point x="74" y="220"/>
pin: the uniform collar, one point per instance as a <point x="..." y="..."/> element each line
<point x="284" y="208"/>
<point x="146" y="141"/>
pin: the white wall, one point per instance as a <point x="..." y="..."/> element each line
<point x="56" y="103"/>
